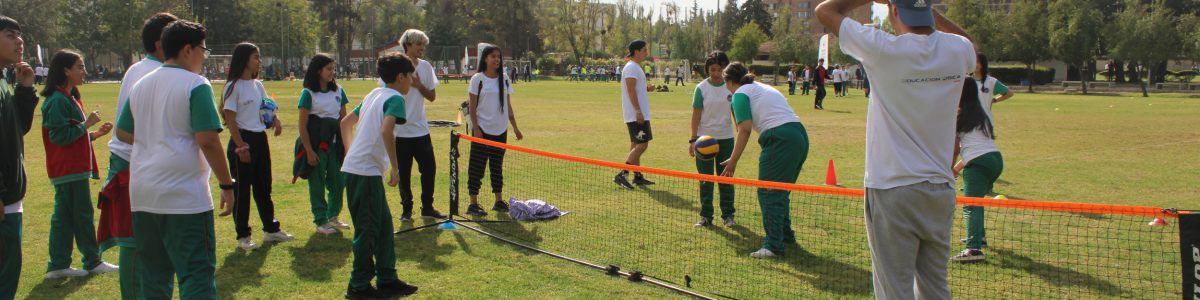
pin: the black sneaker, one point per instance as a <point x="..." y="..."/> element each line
<point x="622" y="180"/>
<point x="432" y="214"/>
<point x="397" y="288"/>
<point x="641" y="180"/>
<point x="500" y="206"/>
<point x="368" y="293"/>
<point x="475" y="210"/>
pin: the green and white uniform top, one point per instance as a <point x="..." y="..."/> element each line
<point x="246" y="99"/>
<point x="975" y="144"/>
<point x="367" y="156"/>
<point x="414" y="103"/>
<point x="168" y="173"/>
<point x="714" y="102"/>
<point x="132" y="76"/>
<point x="327" y="104"/>
<point x="763" y="105"/>
<point x="987" y="94"/>
<point x="493" y="118"/>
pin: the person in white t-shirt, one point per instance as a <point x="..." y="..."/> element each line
<point x="711" y="116"/>
<point x="837" y="80"/>
<point x="791" y="78"/>
<point x="369" y="154"/>
<point x="918" y="77"/>
<point x="635" y="104"/>
<point x="784" y="141"/>
<point x="248" y="112"/>
<point x="490" y="104"/>
<point x="171" y="113"/>
<point x="412" y="137"/>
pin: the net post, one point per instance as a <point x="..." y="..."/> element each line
<point x="453" y="173"/>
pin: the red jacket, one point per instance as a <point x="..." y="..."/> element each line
<point x="77" y="157"/>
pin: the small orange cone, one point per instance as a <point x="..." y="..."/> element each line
<point x="1158" y="222"/>
<point x="831" y="175"/>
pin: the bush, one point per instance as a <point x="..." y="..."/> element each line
<point x="1014" y="74"/>
<point x="763" y="70"/>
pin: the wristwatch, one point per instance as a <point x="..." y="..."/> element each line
<point x="229" y="187"/>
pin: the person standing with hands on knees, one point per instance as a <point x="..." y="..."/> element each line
<point x="635" y="103"/>
<point x="918" y="79"/>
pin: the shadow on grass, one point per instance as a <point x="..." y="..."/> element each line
<point x="513" y="229"/>
<point x="1055" y="275"/>
<point x="827" y="274"/>
<point x="58" y="288"/>
<point x="422" y="245"/>
<point x="320" y="255"/>
<point x="671" y="200"/>
<point x="241" y="269"/>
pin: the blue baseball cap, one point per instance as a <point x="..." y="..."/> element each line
<point x="914" y="13"/>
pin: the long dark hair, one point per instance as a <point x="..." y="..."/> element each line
<point x="982" y="60"/>
<point x="57" y="76"/>
<point x="971" y="115"/>
<point x="738" y="73"/>
<point x="487" y="49"/>
<point x="237" y="67"/>
<point x="716" y="58"/>
<point x="312" y="76"/>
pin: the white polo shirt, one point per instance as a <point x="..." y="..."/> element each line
<point x="326" y="104"/>
<point x="417" y="126"/>
<point x="493" y="118"/>
<point x="245" y="98"/>
<point x="916" y="81"/>
<point x="632" y="70"/>
<point x="135" y="73"/>
<point x="367" y="155"/>
<point x="168" y="173"/>
<point x="714" y="102"/>
<point x="763" y="105"/>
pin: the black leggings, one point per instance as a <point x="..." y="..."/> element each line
<point x="253" y="177"/>
<point x="419" y="149"/>
<point x="493" y="158"/>
<point x="819" y="102"/>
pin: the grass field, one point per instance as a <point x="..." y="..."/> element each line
<point x="1101" y="149"/>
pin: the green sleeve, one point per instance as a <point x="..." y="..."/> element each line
<point x="203" y="110"/>
<point x="698" y="99"/>
<point x="125" y="122"/>
<point x="305" y="99"/>
<point x="344" y="98"/>
<point x="1000" y="88"/>
<point x="63" y="119"/>
<point x="741" y="108"/>
<point x="394" y="106"/>
<point x="356" y="108"/>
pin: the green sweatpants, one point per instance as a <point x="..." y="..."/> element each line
<point x="374" y="245"/>
<point x="10" y="254"/>
<point x="128" y="273"/>
<point x="784" y="150"/>
<point x="327" y="178"/>
<point x="714" y="167"/>
<point x="72" y="222"/>
<point x="978" y="177"/>
<point x="171" y="247"/>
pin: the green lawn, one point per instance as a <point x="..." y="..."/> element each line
<point x="1102" y="149"/>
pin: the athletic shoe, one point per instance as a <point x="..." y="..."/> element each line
<point x="500" y="206"/>
<point x="638" y="179"/>
<point x="432" y="214"/>
<point x="623" y="181"/>
<point x="64" y="273"/>
<point x="397" y="288"/>
<point x="335" y="223"/>
<point x="983" y="245"/>
<point x="968" y="255"/>
<point x="729" y="221"/>
<point x="326" y="229"/>
<point x="406" y="218"/>
<point x="368" y="293"/>
<point x="762" y="253"/>
<point x="278" y="236"/>
<point x="704" y="222"/>
<point x="104" y="268"/>
<point x="475" y="210"/>
<point x="246" y="244"/>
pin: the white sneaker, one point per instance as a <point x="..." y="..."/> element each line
<point x="326" y="229"/>
<point x="335" y="223"/>
<point x="104" y="268"/>
<point x="762" y="253"/>
<point x="247" y="244"/>
<point x="278" y="236"/>
<point x="68" y="272"/>
<point x="729" y="222"/>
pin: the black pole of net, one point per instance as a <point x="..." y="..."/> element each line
<point x="453" y="173"/>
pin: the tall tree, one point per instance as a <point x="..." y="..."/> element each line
<point x="1147" y="36"/>
<point x="746" y="42"/>
<point x="1074" y="27"/>
<point x="730" y="21"/>
<point x="755" y="11"/>
<point x="1024" y="41"/>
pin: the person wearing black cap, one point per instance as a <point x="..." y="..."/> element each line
<point x="636" y="106"/>
<point x="909" y="182"/>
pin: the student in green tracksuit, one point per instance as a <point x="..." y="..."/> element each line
<point x="981" y="165"/>
<point x="784" y="148"/>
<point x="322" y="106"/>
<point x="70" y="162"/>
<point x="711" y="116"/>
<point x="370" y="154"/>
<point x="17" y="106"/>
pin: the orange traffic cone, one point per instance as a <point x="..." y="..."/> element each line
<point x="831" y="175"/>
<point x="1158" y="222"/>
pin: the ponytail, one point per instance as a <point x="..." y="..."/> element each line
<point x="737" y="72"/>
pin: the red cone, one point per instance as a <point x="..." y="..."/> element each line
<point x="831" y="175"/>
<point x="1158" y="222"/>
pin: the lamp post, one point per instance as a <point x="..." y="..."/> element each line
<point x="370" y="43"/>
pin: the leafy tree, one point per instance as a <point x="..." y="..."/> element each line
<point x="1074" y="29"/>
<point x="746" y="42"/>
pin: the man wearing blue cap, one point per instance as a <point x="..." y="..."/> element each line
<point x="918" y="75"/>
